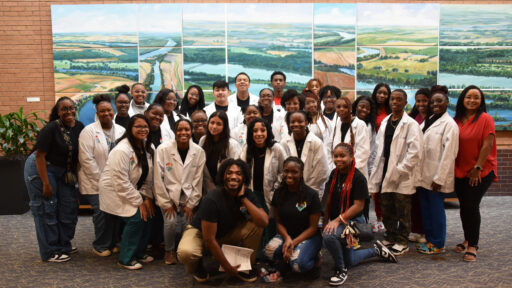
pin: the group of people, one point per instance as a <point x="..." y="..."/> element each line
<point x="283" y="173"/>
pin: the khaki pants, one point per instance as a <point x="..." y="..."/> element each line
<point x="191" y="246"/>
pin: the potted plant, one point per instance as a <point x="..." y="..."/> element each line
<point x="18" y="133"/>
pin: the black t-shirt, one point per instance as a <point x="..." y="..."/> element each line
<point x="211" y="164"/>
<point x="156" y="137"/>
<point x="344" y="129"/>
<point x="183" y="154"/>
<point x="51" y="141"/>
<point x="269" y="117"/>
<point x="330" y="115"/>
<point x="218" y="206"/>
<point x="242" y="103"/>
<point x="123" y="121"/>
<point x="388" y="138"/>
<point x="259" y="163"/>
<point x="359" y="191"/>
<point x="299" y="145"/>
<point x="223" y="108"/>
<point x="294" y="216"/>
<point x="172" y="121"/>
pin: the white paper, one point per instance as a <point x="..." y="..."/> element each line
<point x="237" y="256"/>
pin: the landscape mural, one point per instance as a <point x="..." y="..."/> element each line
<point x="353" y="46"/>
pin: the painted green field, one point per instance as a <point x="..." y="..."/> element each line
<point x="394" y="36"/>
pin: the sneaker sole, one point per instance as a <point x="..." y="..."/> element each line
<point x="59" y="260"/>
<point x="105" y="253"/>
<point x="337" y="283"/>
<point x="248" y="279"/>
<point x="398" y="253"/>
<point x="200" y="280"/>
<point x="129" y="267"/>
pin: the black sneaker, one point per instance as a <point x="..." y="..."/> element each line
<point x="339" y="277"/>
<point x="201" y="275"/>
<point x="248" y="277"/>
<point x="384" y="252"/>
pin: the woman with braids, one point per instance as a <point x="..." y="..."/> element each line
<point x="352" y="130"/>
<point x="138" y="104"/>
<point x="265" y="160"/>
<point x="296" y="210"/>
<point x="344" y="199"/>
<point x="217" y="146"/>
<point x="168" y="100"/>
<point x="122" y="102"/>
<point x="126" y="190"/>
<point x="307" y="147"/>
<point x="95" y="143"/>
<point x="192" y="101"/>
<point x="50" y="176"/>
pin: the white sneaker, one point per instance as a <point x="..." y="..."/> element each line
<point x="134" y="265"/>
<point x="413" y="237"/>
<point x="381" y="226"/>
<point x="375" y="229"/>
<point x="422" y="239"/>
<point x="399" y="249"/>
<point x="57" y="258"/>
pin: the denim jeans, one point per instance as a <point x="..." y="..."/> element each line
<point x="304" y="255"/>
<point x="135" y="237"/>
<point x="56" y="217"/>
<point x="105" y="225"/>
<point x="433" y="215"/>
<point x="172" y="228"/>
<point x="346" y="257"/>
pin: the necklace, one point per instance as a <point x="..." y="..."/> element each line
<point x="395" y="123"/>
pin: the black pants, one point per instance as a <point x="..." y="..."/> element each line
<point x="469" y="199"/>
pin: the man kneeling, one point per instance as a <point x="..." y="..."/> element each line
<point x="229" y="214"/>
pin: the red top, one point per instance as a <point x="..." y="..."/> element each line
<point x="471" y="139"/>
<point x="277" y="101"/>
<point x="381" y="114"/>
<point x="419" y="119"/>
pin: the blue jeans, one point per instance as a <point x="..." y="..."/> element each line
<point x="346" y="257"/>
<point x="433" y="215"/>
<point x="56" y="217"/>
<point x="172" y="227"/>
<point x="105" y="225"/>
<point x="304" y="255"/>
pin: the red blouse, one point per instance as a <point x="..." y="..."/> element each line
<point x="381" y="114"/>
<point x="471" y="139"/>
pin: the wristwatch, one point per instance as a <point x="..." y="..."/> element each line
<point x="477" y="167"/>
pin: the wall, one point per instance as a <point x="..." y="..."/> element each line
<point x="26" y="63"/>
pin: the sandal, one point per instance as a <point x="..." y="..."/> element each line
<point x="460" y="248"/>
<point x="469" y="257"/>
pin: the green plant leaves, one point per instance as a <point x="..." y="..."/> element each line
<point x="18" y="132"/>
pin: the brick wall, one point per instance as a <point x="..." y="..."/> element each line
<point x="26" y="62"/>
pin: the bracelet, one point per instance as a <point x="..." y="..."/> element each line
<point x="342" y="219"/>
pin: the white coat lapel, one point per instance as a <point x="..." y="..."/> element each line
<point x="305" y="149"/>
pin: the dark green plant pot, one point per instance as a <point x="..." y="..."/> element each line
<point x="13" y="191"/>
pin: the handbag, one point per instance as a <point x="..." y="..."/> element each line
<point x="363" y="231"/>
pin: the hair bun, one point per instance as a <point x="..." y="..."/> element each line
<point x="100" y="98"/>
<point x="123" y="89"/>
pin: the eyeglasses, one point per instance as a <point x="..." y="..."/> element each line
<point x="68" y="109"/>
<point x="141" y="127"/>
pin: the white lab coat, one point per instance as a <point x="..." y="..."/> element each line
<point x="92" y="155"/>
<point x="233" y="152"/>
<point x="373" y="147"/>
<point x="172" y="175"/>
<point x="165" y="128"/>
<point x="404" y="158"/>
<point x="272" y="170"/>
<point x="316" y="170"/>
<point x="278" y="120"/>
<point x="253" y="99"/>
<point x="361" y="142"/>
<point x="239" y="134"/>
<point x="234" y="113"/>
<point x="135" y="110"/>
<point x="324" y="131"/>
<point x="440" y="148"/>
<point x="118" y="182"/>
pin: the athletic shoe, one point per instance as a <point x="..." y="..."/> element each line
<point x="387" y="243"/>
<point x="339" y="277"/>
<point x="170" y="258"/>
<point x="375" y="229"/>
<point x="73" y="250"/>
<point x="429" y="249"/>
<point x="422" y="239"/>
<point x="418" y="238"/>
<point x="273" y="277"/>
<point x="116" y="249"/>
<point x="384" y="252"/>
<point x="201" y="275"/>
<point x="399" y="249"/>
<point x="103" y="253"/>
<point x="248" y="277"/>
<point x="59" y="257"/>
<point x="146" y="259"/>
<point x="134" y="265"/>
<point x="381" y="226"/>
